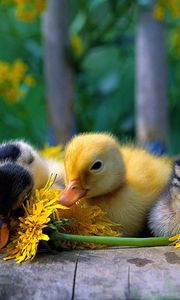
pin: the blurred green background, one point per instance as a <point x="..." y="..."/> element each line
<point x="102" y="55"/>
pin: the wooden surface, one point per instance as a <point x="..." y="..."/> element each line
<point x="115" y="273"/>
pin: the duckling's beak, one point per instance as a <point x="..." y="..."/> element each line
<point x="72" y="193"/>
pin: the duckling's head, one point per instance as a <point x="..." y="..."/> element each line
<point x="93" y="167"/>
<point x="30" y="159"/>
<point x="22" y="170"/>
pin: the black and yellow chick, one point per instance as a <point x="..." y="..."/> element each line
<point x="22" y="170"/>
<point x="164" y="217"/>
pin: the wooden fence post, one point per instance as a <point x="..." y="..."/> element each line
<point x="151" y="83"/>
<point x="58" y="73"/>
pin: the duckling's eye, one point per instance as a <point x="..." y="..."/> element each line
<point x="96" y="165"/>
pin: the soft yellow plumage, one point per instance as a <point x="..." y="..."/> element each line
<point x="124" y="181"/>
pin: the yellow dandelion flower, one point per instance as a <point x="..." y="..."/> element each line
<point x="88" y="220"/>
<point x="38" y="212"/>
<point x="53" y="152"/>
<point x="176" y="240"/>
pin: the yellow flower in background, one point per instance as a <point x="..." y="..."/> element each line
<point x="38" y="212"/>
<point x="27" y="10"/>
<point x="176" y="240"/>
<point x="40" y="5"/>
<point x="53" y="152"/>
<point x="163" y="6"/>
<point x="12" y="76"/>
<point x="18" y="70"/>
<point x="29" y="80"/>
<point x="11" y="95"/>
<point x="76" y="44"/>
<point x="159" y="13"/>
<point x="174" y="6"/>
<point x="25" y="15"/>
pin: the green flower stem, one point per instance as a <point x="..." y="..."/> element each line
<point x="112" y="241"/>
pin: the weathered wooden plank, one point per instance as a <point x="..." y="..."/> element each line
<point x="128" y="274"/>
<point x="49" y="277"/>
<point x="114" y="273"/>
<point x="154" y="274"/>
<point x="99" y="276"/>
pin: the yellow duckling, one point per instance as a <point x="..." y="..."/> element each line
<point x="124" y="181"/>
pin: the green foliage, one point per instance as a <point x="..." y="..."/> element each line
<point x="27" y="118"/>
<point x="105" y="71"/>
<point x="173" y="57"/>
<point x="102" y="36"/>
